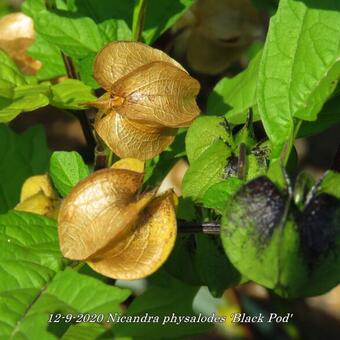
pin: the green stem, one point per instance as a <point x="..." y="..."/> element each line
<point x="290" y="143"/>
<point x="76" y="266"/>
<point x="138" y="19"/>
<point x="109" y="159"/>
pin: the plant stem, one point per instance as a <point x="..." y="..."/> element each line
<point x="289" y="145"/>
<point x="211" y="228"/>
<point x="336" y="162"/>
<point x="70" y="68"/>
<point x="80" y="114"/>
<point x="138" y="19"/>
<point x="77" y="265"/>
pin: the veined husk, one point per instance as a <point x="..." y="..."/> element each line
<point x="118" y="231"/>
<point x="149" y="96"/>
<point x="213" y="34"/>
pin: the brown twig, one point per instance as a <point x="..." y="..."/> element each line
<point x="212" y="228"/>
<point x="80" y="114"/>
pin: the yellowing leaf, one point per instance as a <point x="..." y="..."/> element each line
<point x="37" y="203"/>
<point x="149" y="96"/>
<point x="145" y="249"/>
<point x="37" y="196"/>
<point x="132" y="164"/>
<point x="35" y="184"/>
<point x="99" y="209"/>
<point x="127" y="138"/>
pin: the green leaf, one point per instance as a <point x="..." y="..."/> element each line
<point x="33" y="7"/>
<point x="50" y="57"/>
<point x="300" y="66"/>
<point x="186" y="209"/>
<point x="158" y="167"/>
<point x="206" y="170"/>
<point x="66" y="170"/>
<point x="33" y="285"/>
<point x="270" y="241"/>
<point x="161" y="15"/>
<point x="213" y="266"/>
<point x="85" y="68"/>
<point x="22" y="155"/>
<point x="330" y="184"/>
<point x="10" y="76"/>
<point x="9" y="109"/>
<point x="203" y="132"/>
<point x="84" y="331"/>
<point x="218" y="195"/>
<point x="233" y="97"/>
<point x="71" y="94"/>
<point x="25" y="98"/>
<point x="328" y="117"/>
<point x="75" y="36"/>
<point x="181" y="263"/>
<point x="199" y="260"/>
<point x="163" y="295"/>
<point x="114" y="29"/>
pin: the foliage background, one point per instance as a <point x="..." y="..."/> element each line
<point x="35" y="280"/>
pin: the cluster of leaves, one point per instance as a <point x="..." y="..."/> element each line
<point x="36" y="279"/>
<point x="291" y="86"/>
<point x="269" y="235"/>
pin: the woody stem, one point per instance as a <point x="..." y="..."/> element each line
<point x="212" y="228"/>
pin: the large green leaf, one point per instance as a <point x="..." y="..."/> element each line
<point x="10" y="76"/>
<point x="161" y="15"/>
<point x="21" y="156"/>
<point x="25" y="98"/>
<point x="206" y="170"/>
<point x="33" y="285"/>
<point x="16" y="95"/>
<point x="203" y="132"/>
<point x="328" y="117"/>
<point x="270" y="241"/>
<point x="300" y="65"/>
<point x="50" y="57"/>
<point x="71" y="94"/>
<point x="218" y="194"/>
<point x="66" y="170"/>
<point x="233" y="97"/>
<point x="164" y="296"/>
<point x="75" y="36"/>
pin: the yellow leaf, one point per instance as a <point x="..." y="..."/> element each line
<point x="146" y="247"/>
<point x="37" y="196"/>
<point x="37" y="203"/>
<point x="132" y="164"/>
<point x="35" y="184"/>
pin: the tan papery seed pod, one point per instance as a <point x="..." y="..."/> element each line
<point x="149" y="96"/>
<point x="118" y="231"/>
